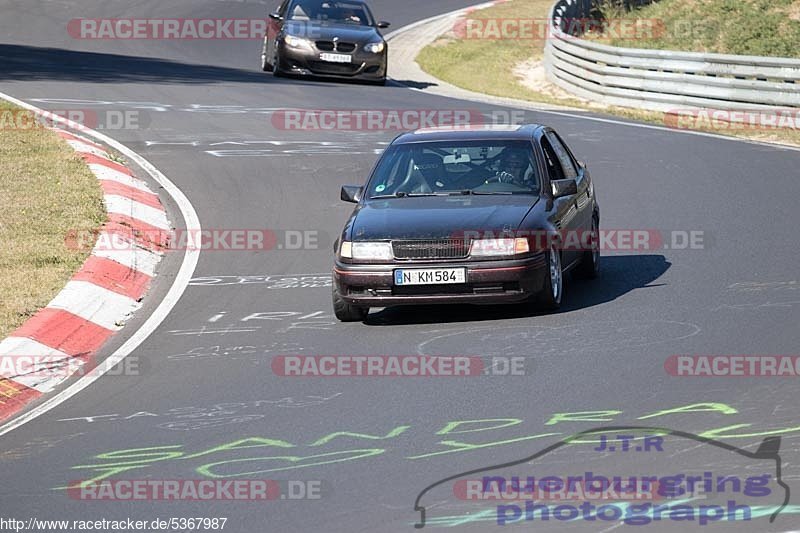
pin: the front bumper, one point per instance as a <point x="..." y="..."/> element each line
<point x="301" y="62"/>
<point x="487" y="282"/>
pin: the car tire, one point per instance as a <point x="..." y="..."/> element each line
<point x="550" y="297"/>
<point x="265" y="66"/>
<point x="589" y="267"/>
<point x="346" y="312"/>
<point x="276" y="66"/>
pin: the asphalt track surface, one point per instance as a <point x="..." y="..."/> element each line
<point x="208" y="384"/>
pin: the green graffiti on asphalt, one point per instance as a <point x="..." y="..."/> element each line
<point x="218" y="463"/>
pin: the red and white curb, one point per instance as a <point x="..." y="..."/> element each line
<point x="61" y="339"/>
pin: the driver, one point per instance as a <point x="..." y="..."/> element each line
<point x="350" y="15"/>
<point x="514" y="168"/>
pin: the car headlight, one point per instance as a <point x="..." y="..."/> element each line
<point x="297" y="42"/>
<point x="490" y="247"/>
<point x="346" y="250"/>
<point x="375" y="48"/>
<point x="370" y="251"/>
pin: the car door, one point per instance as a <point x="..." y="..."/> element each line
<point x="582" y="178"/>
<point x="583" y="181"/>
<point x="274" y="27"/>
<point x="566" y="217"/>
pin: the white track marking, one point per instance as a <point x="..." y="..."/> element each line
<point x="109" y="174"/>
<point x="16" y="348"/>
<point x="120" y="205"/>
<point x="161" y="312"/>
<point x="25" y="346"/>
<point x="86" y="148"/>
<point x="126" y="252"/>
<point x="94" y="303"/>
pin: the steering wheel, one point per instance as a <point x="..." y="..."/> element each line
<point x="502" y="177"/>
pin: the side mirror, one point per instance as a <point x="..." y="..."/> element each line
<point x="352" y="193"/>
<point x="383" y="24"/>
<point x="564" y="187"/>
<point x="275" y="16"/>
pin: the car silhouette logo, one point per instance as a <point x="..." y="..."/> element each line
<point x="767" y="450"/>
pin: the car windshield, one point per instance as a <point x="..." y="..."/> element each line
<point x="463" y="167"/>
<point x="338" y="12"/>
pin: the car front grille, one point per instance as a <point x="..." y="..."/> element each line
<point x="341" y="69"/>
<point x="431" y="249"/>
<point x="329" y="46"/>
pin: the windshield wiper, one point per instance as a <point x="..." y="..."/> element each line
<point x="402" y="194"/>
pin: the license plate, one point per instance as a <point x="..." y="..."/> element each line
<point x="336" y="58"/>
<point x="430" y="276"/>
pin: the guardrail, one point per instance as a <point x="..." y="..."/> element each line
<point x="664" y="80"/>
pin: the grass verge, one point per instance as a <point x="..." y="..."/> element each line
<point x="741" y="27"/>
<point x="488" y="66"/>
<point x="46" y="190"/>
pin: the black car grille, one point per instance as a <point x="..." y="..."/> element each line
<point x="342" y="69"/>
<point x="431" y="249"/>
<point x="329" y="46"/>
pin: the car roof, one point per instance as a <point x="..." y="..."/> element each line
<point x="349" y="1"/>
<point x="470" y="133"/>
<point x="359" y="2"/>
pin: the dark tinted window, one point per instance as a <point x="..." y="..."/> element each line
<point x="554" y="168"/>
<point x="563" y="156"/>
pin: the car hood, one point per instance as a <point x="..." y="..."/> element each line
<point x="326" y="31"/>
<point x="438" y="217"/>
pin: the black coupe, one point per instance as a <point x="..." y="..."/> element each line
<point x="329" y="38"/>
